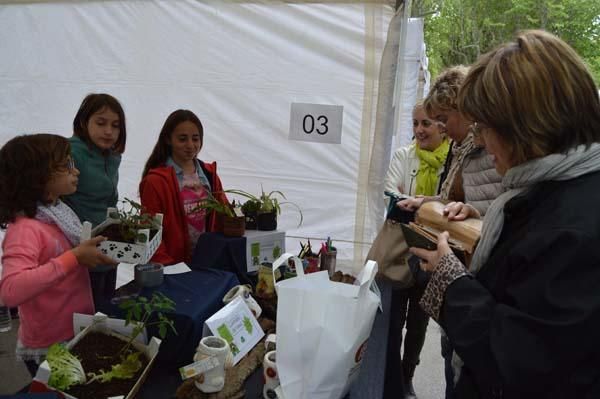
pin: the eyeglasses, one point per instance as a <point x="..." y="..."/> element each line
<point x="476" y="129"/>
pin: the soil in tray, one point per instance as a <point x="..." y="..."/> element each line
<point x="113" y="233"/>
<point x="100" y="351"/>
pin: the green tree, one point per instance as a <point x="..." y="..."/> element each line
<point x="458" y="31"/>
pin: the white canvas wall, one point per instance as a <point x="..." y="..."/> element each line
<point x="238" y="65"/>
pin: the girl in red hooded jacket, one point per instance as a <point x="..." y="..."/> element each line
<point x="175" y="181"/>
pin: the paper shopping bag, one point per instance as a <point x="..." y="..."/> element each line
<point x="322" y="331"/>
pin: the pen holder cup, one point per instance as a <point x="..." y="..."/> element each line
<point x="149" y="274"/>
<point x="328" y="261"/>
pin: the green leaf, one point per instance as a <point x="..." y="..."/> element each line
<point x="65" y="368"/>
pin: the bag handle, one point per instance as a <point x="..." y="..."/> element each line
<point x="367" y="277"/>
<point x="282" y="260"/>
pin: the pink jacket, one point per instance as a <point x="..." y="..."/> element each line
<point x="41" y="276"/>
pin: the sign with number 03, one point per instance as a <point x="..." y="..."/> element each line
<point x="316" y="122"/>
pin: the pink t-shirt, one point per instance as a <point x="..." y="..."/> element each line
<point x="192" y="192"/>
<point x="41" y="276"/>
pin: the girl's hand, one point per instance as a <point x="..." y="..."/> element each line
<point x="411" y="204"/>
<point x="460" y="211"/>
<point x="89" y="255"/>
<point x="430" y="259"/>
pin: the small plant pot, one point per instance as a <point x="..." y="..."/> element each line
<point x="216" y="348"/>
<point x="250" y="220"/>
<point x="270" y="375"/>
<point x="234" y="226"/>
<point x="267" y="221"/>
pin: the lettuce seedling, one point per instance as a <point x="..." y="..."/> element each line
<point x="124" y="370"/>
<point x="66" y="369"/>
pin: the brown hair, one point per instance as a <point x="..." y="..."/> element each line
<point x="536" y="93"/>
<point x="91" y="104"/>
<point x="162" y="149"/>
<point x="443" y="93"/>
<point x="26" y="165"/>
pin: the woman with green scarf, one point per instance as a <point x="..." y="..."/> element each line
<point x="414" y="170"/>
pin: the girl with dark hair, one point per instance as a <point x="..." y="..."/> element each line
<point x="44" y="265"/>
<point x="97" y="143"/>
<point x="174" y="181"/>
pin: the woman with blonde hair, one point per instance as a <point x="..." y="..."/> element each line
<point x="414" y="170"/>
<point x="524" y="320"/>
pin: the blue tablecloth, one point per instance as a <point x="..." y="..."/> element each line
<point x="216" y="251"/>
<point x="198" y="295"/>
<point x="163" y="383"/>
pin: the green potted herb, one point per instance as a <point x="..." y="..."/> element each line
<point x="250" y="211"/>
<point x="234" y="224"/>
<point x="269" y="207"/>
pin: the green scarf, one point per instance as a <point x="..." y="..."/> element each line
<point x="429" y="165"/>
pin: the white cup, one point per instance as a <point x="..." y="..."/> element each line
<point x="243" y="291"/>
<point x="212" y="380"/>
<point x="271" y="376"/>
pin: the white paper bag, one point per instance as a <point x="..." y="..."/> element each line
<point x="322" y="331"/>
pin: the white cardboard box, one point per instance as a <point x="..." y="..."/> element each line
<point x="263" y="246"/>
<point x="108" y="326"/>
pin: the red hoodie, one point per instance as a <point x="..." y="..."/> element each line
<point x="159" y="193"/>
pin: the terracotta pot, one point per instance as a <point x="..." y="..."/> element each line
<point x="234" y="226"/>
<point x="267" y="221"/>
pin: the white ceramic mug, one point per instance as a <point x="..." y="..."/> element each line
<point x="245" y="292"/>
<point x="271" y="388"/>
<point x="271" y="342"/>
<point x="215" y="348"/>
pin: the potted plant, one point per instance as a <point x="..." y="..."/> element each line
<point x="233" y="219"/>
<point x="269" y="208"/>
<point x="250" y="210"/>
<point x="99" y="362"/>
<point x="133" y="234"/>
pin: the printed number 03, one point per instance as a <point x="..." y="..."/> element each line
<point x="308" y="124"/>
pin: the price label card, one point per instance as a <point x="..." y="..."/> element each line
<point x="316" y="122"/>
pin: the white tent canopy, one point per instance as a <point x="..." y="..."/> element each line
<point x="238" y="65"/>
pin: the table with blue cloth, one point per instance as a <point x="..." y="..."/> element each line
<point x="198" y="295"/>
<point x="368" y="385"/>
<point x="216" y="251"/>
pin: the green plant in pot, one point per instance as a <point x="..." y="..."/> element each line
<point x="132" y="217"/>
<point x="267" y="207"/>
<point x="250" y="210"/>
<point x="233" y="219"/>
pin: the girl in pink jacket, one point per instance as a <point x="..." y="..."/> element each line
<point x="44" y="265"/>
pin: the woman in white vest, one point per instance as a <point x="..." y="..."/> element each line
<point x="414" y="170"/>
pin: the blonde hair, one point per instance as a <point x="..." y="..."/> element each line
<point x="442" y="95"/>
<point x="536" y="93"/>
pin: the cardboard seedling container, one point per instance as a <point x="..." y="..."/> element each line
<point x="102" y="324"/>
<point x="138" y="252"/>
